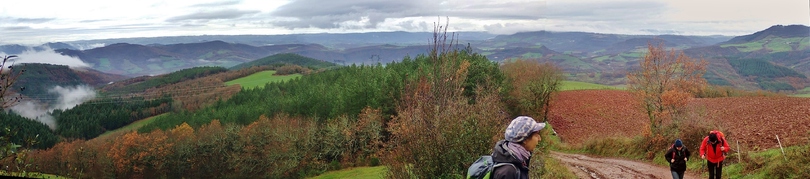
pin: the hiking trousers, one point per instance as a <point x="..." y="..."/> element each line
<point x="715" y="169"/>
<point x="677" y="175"/>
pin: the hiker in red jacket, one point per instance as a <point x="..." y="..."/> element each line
<point x="712" y="149"/>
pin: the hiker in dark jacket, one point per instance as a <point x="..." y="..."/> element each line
<point x="677" y="157"/>
<point x="522" y="137"/>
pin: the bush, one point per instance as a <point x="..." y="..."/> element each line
<point x="290" y="69"/>
<point x="797" y="164"/>
<point x="438" y="130"/>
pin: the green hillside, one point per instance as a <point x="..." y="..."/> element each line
<point x="260" y="79"/>
<point x="131" y="127"/>
<point x="576" y="85"/>
<point x="765" y="73"/>
<point x="141" y="84"/>
<point x="772" y="44"/>
<point x="286" y="58"/>
<point x="39" y="78"/>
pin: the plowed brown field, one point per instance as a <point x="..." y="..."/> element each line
<point x="753" y="121"/>
<point x="582" y="114"/>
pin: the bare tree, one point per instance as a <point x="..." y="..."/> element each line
<point x="8" y="76"/>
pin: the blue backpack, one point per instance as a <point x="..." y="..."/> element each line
<point x="483" y="167"/>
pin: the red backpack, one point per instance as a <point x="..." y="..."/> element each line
<point x="720" y="136"/>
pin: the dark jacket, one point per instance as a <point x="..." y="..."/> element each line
<point x="502" y="154"/>
<point x="680" y="158"/>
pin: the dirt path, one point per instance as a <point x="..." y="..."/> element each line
<point x="599" y="168"/>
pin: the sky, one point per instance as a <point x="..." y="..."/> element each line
<point x="34" y="22"/>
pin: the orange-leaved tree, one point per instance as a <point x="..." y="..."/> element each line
<point x="664" y="82"/>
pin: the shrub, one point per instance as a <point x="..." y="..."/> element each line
<point x="439" y="131"/>
<point x="530" y="87"/>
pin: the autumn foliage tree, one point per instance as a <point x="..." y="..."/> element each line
<point x="530" y="86"/>
<point x="664" y="82"/>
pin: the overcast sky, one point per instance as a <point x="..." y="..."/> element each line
<point x="35" y="22"/>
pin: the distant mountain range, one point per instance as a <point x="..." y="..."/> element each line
<point x="592" y="57"/>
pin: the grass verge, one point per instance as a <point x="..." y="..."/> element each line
<point x="357" y="173"/>
<point x="770" y="163"/>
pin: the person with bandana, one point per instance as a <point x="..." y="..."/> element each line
<point x="521" y="138"/>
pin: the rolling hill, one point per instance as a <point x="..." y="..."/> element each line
<point x="285" y="58"/>
<point x="38" y="79"/>
<point x="590" y="57"/>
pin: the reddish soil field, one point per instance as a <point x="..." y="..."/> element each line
<point x="753" y="121"/>
<point x="583" y="114"/>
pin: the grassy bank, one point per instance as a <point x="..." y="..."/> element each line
<point x="357" y="173"/>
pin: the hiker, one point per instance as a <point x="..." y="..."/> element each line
<point x="713" y="149"/>
<point x="677" y="156"/>
<point x="521" y="137"/>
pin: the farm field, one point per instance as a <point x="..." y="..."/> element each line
<point x="576" y="85"/>
<point x="579" y="115"/>
<point x="131" y="127"/>
<point x="260" y="78"/>
<point x="753" y="121"/>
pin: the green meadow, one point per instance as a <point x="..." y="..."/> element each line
<point x="132" y="127"/>
<point x="260" y="79"/>
<point x="576" y="85"/>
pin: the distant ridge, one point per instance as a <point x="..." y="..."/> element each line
<point x="285" y="58"/>
<point x="777" y="30"/>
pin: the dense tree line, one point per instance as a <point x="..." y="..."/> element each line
<point x="329" y="94"/>
<point x="762" y="68"/>
<point x="162" y="80"/>
<point x="93" y="118"/>
<point x="765" y="73"/>
<point x="279" y="60"/>
<point x="23" y="131"/>
<point x="39" y="78"/>
<point x="328" y="120"/>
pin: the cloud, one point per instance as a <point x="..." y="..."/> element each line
<point x="212" y="15"/>
<point x="370" y="13"/>
<point x="48" y="56"/>
<point x="35" y="111"/>
<point x="218" y="4"/>
<point x="627" y="10"/>
<point x="511" y="28"/>
<point x="69" y="97"/>
<point x="338" y="14"/>
<point x="17" y="28"/>
<point x="33" y="20"/>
